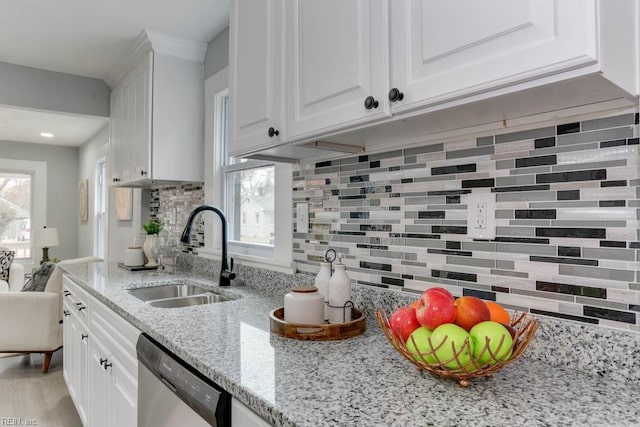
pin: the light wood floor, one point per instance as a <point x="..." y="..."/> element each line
<point x="27" y="393"/>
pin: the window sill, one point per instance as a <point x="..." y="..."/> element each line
<point x="250" y="261"/>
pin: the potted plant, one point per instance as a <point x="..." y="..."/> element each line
<point x="150" y="245"/>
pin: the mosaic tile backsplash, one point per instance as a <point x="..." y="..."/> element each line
<point x="567" y="213"/>
<point x="171" y="206"/>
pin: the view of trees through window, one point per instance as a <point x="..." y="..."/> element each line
<point x="15" y="213"/>
<point x="250" y="194"/>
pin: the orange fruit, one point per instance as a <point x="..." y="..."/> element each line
<point x="498" y="313"/>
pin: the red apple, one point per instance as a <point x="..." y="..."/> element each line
<point x="491" y="342"/>
<point x="403" y="322"/>
<point x="511" y="330"/>
<point x="435" y="307"/>
<point x="470" y="311"/>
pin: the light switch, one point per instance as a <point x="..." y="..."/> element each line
<point x="481" y="215"/>
<point x="302" y="217"/>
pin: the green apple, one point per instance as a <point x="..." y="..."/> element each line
<point x="450" y="340"/>
<point x="418" y="345"/>
<point x="491" y="338"/>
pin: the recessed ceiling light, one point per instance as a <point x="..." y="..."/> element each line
<point x="47" y="134"/>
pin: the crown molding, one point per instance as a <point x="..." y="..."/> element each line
<point x="153" y="41"/>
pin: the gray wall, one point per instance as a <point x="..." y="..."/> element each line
<point x="217" y="54"/>
<point x="62" y="189"/>
<point x="89" y="153"/>
<point x="120" y="233"/>
<point x="48" y="90"/>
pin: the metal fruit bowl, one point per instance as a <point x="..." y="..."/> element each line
<point x="524" y="324"/>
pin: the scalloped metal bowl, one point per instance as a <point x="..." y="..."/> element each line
<point x="524" y="324"/>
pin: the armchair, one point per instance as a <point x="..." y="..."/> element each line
<point x="31" y="322"/>
<point x="16" y="278"/>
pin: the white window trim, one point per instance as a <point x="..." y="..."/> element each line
<point x="105" y="220"/>
<point x="38" y="172"/>
<point x="277" y="258"/>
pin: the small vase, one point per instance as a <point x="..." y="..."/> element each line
<point x="150" y="243"/>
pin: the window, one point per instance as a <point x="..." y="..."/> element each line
<point x="255" y="195"/>
<point x="249" y="191"/>
<point x="101" y="210"/>
<point x="15" y="212"/>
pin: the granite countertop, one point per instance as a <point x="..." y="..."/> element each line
<point x="361" y="381"/>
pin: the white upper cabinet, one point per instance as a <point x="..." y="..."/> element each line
<point x="352" y="64"/>
<point x="447" y="50"/>
<point x="157" y="113"/>
<point x="337" y="64"/>
<point x="255" y="79"/>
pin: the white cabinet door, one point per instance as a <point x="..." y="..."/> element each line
<point x="82" y="370"/>
<point x="124" y="394"/>
<point x="336" y="56"/>
<point x="99" y="380"/>
<point x="442" y="50"/>
<point x="69" y="349"/>
<point x="115" y="138"/>
<point x="255" y="75"/>
<point x="141" y="107"/>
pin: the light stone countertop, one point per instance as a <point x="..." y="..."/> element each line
<point x="361" y="381"/>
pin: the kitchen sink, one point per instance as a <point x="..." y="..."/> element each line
<point x="208" y="298"/>
<point x="178" y="295"/>
<point x="166" y="291"/>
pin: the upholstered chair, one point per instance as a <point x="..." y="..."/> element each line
<point x="16" y="278"/>
<point x="31" y="322"/>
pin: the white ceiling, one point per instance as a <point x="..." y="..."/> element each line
<point x="25" y="126"/>
<point x="86" y="38"/>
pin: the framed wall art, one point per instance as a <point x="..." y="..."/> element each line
<point x="124" y="207"/>
<point x="83" y="201"/>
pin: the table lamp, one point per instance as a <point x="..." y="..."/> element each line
<point x="48" y="237"/>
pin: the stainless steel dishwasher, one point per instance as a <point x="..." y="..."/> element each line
<point x="171" y="393"/>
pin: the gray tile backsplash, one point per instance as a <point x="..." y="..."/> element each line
<point x="567" y="220"/>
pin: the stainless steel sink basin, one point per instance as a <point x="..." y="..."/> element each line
<point x="166" y="291"/>
<point x="208" y="298"/>
<point x="177" y="295"/>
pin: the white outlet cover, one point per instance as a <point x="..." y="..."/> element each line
<point x="475" y="216"/>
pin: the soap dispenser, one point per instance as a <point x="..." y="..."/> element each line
<point x="322" y="283"/>
<point x="339" y="294"/>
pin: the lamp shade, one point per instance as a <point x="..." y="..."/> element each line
<point x="48" y="237"/>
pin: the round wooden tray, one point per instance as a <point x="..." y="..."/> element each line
<point x="324" y="332"/>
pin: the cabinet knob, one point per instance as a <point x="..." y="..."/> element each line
<point x="273" y="132"/>
<point x="84" y="336"/>
<point x="66" y="293"/>
<point x="103" y="361"/>
<point x="67" y="313"/>
<point x="370" y="102"/>
<point x="395" y="95"/>
<point x="116" y="179"/>
<point x="107" y="365"/>
<point x="143" y="173"/>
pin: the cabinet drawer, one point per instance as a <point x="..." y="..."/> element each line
<point x="76" y="298"/>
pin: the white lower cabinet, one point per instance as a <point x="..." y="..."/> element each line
<point x="242" y="416"/>
<point x="75" y="347"/>
<point x="100" y="363"/>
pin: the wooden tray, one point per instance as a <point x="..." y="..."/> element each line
<point x="324" y="332"/>
<point x="137" y="268"/>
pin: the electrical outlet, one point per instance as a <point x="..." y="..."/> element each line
<point x="481" y="215"/>
<point x="302" y="217"/>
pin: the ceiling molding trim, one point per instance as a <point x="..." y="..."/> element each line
<point x="147" y="41"/>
